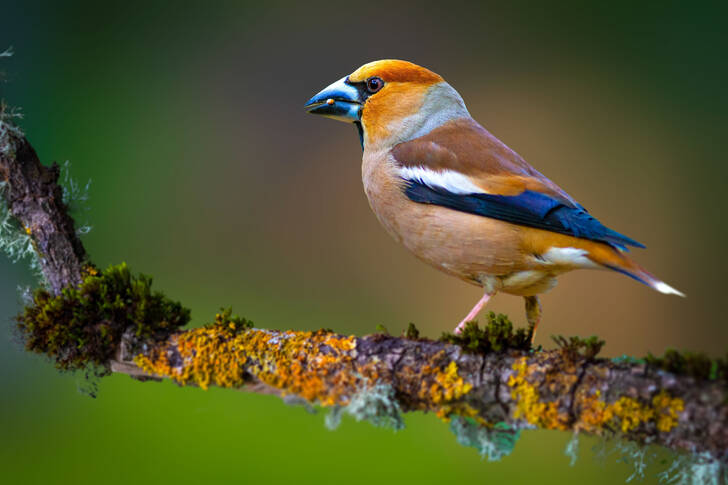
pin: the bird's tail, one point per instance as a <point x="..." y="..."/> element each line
<point x="616" y="260"/>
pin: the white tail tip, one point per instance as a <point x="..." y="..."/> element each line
<point x="667" y="289"/>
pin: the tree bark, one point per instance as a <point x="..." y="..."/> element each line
<point x="520" y="389"/>
<point x="35" y="199"/>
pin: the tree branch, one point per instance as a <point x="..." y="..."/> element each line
<point x="521" y="389"/>
<point x="35" y="200"/>
<point x="497" y="387"/>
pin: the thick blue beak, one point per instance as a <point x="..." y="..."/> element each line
<point x="340" y="101"/>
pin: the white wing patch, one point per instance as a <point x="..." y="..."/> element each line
<point x="569" y="257"/>
<point x="449" y="180"/>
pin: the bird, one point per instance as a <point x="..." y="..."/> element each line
<point x="461" y="200"/>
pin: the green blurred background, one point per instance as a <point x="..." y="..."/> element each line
<point x="208" y="174"/>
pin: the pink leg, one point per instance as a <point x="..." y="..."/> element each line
<point x="473" y="313"/>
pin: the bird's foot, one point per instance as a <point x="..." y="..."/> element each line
<point x="533" y="315"/>
<point x="473" y="313"/>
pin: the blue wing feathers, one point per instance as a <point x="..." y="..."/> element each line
<point x="529" y="208"/>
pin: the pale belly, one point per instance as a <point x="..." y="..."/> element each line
<point x="479" y="250"/>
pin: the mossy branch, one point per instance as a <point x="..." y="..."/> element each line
<point x="489" y="383"/>
<point x="511" y="389"/>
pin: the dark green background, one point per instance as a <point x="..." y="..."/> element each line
<point x="208" y="174"/>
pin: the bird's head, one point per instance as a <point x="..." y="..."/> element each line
<point x="390" y="101"/>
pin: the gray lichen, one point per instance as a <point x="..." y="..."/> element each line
<point x="293" y="400"/>
<point x="684" y="469"/>
<point x="15" y="241"/>
<point x="492" y="443"/>
<point x="699" y="469"/>
<point x="7" y="114"/>
<point x="8" y="129"/>
<point x="637" y="456"/>
<point x="376" y="404"/>
<point x="75" y="196"/>
<point x="572" y="449"/>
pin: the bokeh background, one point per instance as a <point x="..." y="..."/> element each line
<point x="208" y="174"/>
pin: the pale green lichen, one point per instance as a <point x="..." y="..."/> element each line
<point x="75" y="196"/>
<point x="492" y="442"/>
<point x="700" y="469"/>
<point x="376" y="404"/>
<point x="8" y="127"/>
<point x="333" y="418"/>
<point x="685" y="469"/>
<point x="635" y="455"/>
<point x="15" y="241"/>
<point x="293" y="400"/>
<point x="7" y="114"/>
<point x="572" y="449"/>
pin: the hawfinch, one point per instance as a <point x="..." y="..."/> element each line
<point x="460" y="199"/>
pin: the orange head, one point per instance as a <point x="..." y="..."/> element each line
<point x="390" y="101"/>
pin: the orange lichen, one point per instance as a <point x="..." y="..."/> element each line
<point x="629" y="413"/>
<point x="666" y="410"/>
<point x="462" y="409"/>
<point x="90" y="270"/>
<point x="297" y="362"/>
<point x="529" y="405"/>
<point x="446" y="392"/>
<point x="442" y="386"/>
<point x="594" y="414"/>
<point x="321" y="367"/>
<point x="448" y="384"/>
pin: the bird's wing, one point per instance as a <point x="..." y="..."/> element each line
<point x="460" y="165"/>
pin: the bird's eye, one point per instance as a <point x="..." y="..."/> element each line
<point x="374" y="84"/>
